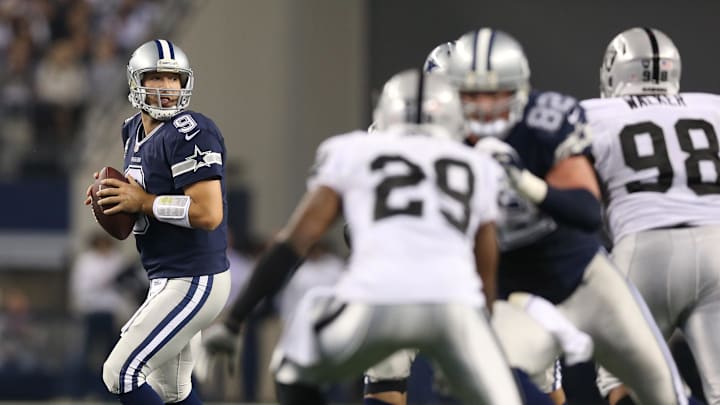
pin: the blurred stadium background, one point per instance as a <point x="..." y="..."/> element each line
<point x="277" y="76"/>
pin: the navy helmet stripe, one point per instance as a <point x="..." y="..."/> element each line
<point x="656" y="54"/>
<point x="421" y="90"/>
<point x="161" y="54"/>
<point x="476" y="34"/>
<point x="489" y="51"/>
<point x="172" y="50"/>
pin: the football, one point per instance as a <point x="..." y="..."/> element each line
<point x="117" y="225"/>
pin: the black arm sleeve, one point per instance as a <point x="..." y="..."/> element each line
<point x="272" y="271"/>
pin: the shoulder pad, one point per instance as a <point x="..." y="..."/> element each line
<point x="129" y="120"/>
<point x="125" y="126"/>
<point x="553" y="114"/>
<point x="190" y="123"/>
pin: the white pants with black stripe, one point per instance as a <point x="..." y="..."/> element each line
<point x="157" y="343"/>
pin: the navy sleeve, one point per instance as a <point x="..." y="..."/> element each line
<point x="195" y="149"/>
<point x="125" y="131"/>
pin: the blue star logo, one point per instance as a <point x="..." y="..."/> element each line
<point x="430" y="66"/>
<point x="199" y="157"/>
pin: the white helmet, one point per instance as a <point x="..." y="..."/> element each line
<point x="412" y="101"/>
<point x="488" y="60"/>
<point x="640" y="61"/>
<point x="159" y="56"/>
<point x="438" y="59"/>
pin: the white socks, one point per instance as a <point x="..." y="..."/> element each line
<point x="576" y="344"/>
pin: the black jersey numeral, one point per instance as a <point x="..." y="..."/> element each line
<point x="698" y="155"/>
<point x="382" y="192"/>
<point x="660" y="158"/>
<point x="413" y="177"/>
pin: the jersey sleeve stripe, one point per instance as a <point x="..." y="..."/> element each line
<point x="191" y="165"/>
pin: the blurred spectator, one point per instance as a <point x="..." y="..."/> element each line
<point x="56" y="52"/>
<point x="242" y="258"/>
<point x="102" y="306"/>
<point x="16" y="103"/>
<point x="61" y="83"/>
<point x="29" y="20"/>
<point x="22" y="369"/>
<point x="242" y="262"/>
<point x="131" y="23"/>
<point x="242" y="255"/>
<point x="106" y="70"/>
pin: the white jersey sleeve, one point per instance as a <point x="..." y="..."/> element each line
<point x="332" y="163"/>
<point x="658" y="158"/>
<point x="491" y="176"/>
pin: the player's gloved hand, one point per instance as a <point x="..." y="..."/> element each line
<point x="504" y="154"/>
<point x="529" y="185"/>
<point x="219" y="339"/>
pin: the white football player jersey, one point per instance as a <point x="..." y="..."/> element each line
<point x="658" y="158"/>
<point x="413" y="204"/>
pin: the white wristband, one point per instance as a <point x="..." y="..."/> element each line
<point x="173" y="209"/>
<point x="531" y="186"/>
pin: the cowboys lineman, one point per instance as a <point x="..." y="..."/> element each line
<point x="549" y="240"/>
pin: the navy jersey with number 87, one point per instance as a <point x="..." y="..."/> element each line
<point x="540" y="255"/>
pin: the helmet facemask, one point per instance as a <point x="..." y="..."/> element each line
<point x="492" y="62"/>
<point x="497" y="119"/>
<point x="139" y="93"/>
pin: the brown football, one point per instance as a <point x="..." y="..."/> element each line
<point x="117" y="225"/>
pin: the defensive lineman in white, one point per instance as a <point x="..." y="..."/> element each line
<point x="656" y="151"/>
<point x="421" y="207"/>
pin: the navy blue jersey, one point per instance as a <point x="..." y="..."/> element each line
<point x="181" y="151"/>
<point x="550" y="258"/>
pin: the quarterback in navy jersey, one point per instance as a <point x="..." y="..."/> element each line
<point x="195" y="148"/>
<point x="173" y="161"/>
